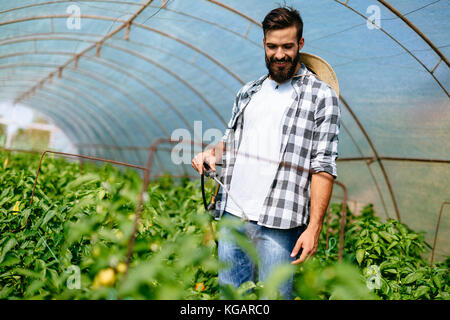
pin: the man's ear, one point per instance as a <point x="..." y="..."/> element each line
<point x="301" y="43"/>
<point x="264" y="41"/>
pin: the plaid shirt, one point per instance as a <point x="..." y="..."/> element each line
<point x="309" y="141"/>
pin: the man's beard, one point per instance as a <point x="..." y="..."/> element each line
<point x="280" y="75"/>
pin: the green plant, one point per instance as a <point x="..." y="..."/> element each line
<point x="72" y="243"/>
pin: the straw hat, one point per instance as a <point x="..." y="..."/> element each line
<point x="321" y="68"/>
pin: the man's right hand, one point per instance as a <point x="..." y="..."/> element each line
<point x="208" y="156"/>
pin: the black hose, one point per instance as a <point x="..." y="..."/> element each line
<point x="202" y="179"/>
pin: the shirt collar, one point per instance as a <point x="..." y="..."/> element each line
<point x="302" y="71"/>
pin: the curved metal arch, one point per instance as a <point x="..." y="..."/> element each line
<point x="220" y="4"/>
<point x="209" y="104"/>
<point x="90" y="100"/>
<point x="91" y="87"/>
<point x="58" y="121"/>
<point x="380" y="163"/>
<point x="55" y="36"/>
<point x="99" y="106"/>
<point x="150" y="6"/>
<point x="63" y="1"/>
<point x="415" y="29"/>
<point x="143" y="131"/>
<point x="115" y="87"/>
<point x="93" y="134"/>
<point x="91" y="75"/>
<point x="81" y="115"/>
<point x="131" y="52"/>
<point x="399" y="43"/>
<point x="94" y="116"/>
<point x="203" y="53"/>
<point x="85" y="123"/>
<point x="72" y="132"/>
<point x="86" y="133"/>
<point x="119" y="67"/>
<point x="368" y="167"/>
<point x="120" y="70"/>
<point x="76" y="101"/>
<point x="384" y="3"/>
<point x="128" y="74"/>
<point x="64" y="16"/>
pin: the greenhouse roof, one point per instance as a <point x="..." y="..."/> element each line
<point x="117" y="75"/>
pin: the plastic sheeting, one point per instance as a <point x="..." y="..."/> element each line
<point x="116" y="75"/>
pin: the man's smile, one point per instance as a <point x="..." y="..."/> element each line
<point x="281" y="64"/>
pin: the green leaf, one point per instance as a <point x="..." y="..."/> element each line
<point x="360" y="255"/>
<point x="394" y="271"/>
<point x="421" y="291"/>
<point x="47" y="217"/>
<point x="412" y="277"/>
<point x="374" y="237"/>
<point x="378" y="250"/>
<point x="8" y="246"/>
<point x="101" y="194"/>
<point x="10" y="261"/>
<point x="386" y="236"/>
<point x="437" y="279"/>
<point x="393" y="244"/>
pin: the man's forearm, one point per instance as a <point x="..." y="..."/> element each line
<point x="218" y="151"/>
<point x="321" y="188"/>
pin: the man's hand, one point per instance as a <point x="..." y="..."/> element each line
<point x="309" y="242"/>
<point x="212" y="156"/>
<point x="208" y="156"/>
<point x="321" y="188"/>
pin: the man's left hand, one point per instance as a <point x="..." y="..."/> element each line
<point x="308" y="241"/>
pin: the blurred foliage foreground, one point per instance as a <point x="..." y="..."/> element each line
<point x="71" y="243"/>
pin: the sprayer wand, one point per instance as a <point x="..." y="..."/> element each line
<point x="213" y="175"/>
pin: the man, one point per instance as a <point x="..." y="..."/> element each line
<point x="279" y="158"/>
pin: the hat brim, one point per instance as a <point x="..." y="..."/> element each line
<point x="321" y="68"/>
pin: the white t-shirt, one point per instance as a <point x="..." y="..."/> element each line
<point x="259" y="151"/>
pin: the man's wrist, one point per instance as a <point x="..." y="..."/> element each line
<point x="315" y="226"/>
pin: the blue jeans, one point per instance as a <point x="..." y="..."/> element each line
<point x="274" y="247"/>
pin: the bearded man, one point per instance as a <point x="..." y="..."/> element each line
<point x="279" y="157"/>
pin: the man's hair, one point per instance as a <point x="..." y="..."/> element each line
<point x="283" y="17"/>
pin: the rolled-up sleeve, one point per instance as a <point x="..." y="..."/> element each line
<point x="325" y="135"/>
<point x="234" y="111"/>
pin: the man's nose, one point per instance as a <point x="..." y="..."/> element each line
<point x="279" y="54"/>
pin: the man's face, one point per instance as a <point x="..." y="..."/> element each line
<point x="282" y="53"/>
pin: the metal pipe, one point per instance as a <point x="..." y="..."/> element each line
<point x="380" y="163"/>
<point x="82" y="157"/>
<point x="342" y="221"/>
<point x="55" y="114"/>
<point x="106" y="37"/>
<point x="70" y="37"/>
<point x="415" y="29"/>
<point x="436" y="232"/>
<point x="400" y="44"/>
